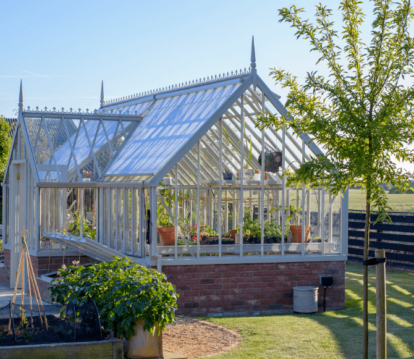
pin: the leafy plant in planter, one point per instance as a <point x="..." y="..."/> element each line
<point x="123" y="291"/>
<point x="251" y="228"/>
<point x="273" y="232"/>
<point x="165" y="228"/>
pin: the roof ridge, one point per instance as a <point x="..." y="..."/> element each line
<point x="182" y="86"/>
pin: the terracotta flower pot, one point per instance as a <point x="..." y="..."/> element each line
<point x="297" y="233"/>
<point x="167" y="235"/>
<point x="233" y="233"/>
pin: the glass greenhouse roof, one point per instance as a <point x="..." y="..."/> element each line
<point x="167" y="126"/>
<point x="133" y="139"/>
<point x="75" y="149"/>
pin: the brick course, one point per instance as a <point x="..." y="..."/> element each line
<point x="248" y="289"/>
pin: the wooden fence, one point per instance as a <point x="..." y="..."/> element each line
<point x="396" y="237"/>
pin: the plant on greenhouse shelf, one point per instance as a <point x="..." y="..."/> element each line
<point x="88" y="232"/>
<point x="251" y="228"/>
<point x="123" y="291"/>
<point x="273" y="232"/>
<point x="227" y="175"/>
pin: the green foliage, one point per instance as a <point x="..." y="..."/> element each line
<point x="5" y="145"/>
<point x="272" y="229"/>
<point x="24" y="326"/>
<point x="361" y="114"/>
<point x="164" y="219"/>
<point x="87" y="232"/>
<point x="396" y="190"/>
<point x="250" y="227"/>
<point x="123" y="291"/>
<point x="253" y="228"/>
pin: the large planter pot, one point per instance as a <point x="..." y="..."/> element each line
<point x="297" y="233"/>
<point x="144" y="344"/>
<point x="167" y="235"/>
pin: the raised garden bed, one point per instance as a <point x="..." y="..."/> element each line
<point x="59" y="331"/>
<point x="107" y="349"/>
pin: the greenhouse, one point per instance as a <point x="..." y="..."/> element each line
<point x="180" y="175"/>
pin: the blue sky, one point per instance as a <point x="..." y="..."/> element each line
<point x="62" y="50"/>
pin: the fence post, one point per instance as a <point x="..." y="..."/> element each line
<point x="381" y="307"/>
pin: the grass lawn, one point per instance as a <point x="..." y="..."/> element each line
<point x="333" y="334"/>
<point x="397" y="202"/>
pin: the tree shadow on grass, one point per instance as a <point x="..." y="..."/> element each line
<point x="346" y="325"/>
<point x="332" y="334"/>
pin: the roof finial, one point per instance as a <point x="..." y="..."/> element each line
<point x="253" y="58"/>
<point x="102" y="95"/>
<point x="21" y="95"/>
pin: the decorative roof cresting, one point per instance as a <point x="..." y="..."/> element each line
<point x="182" y="86"/>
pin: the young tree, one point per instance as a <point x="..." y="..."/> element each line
<point x="361" y="114"/>
<point x="5" y="145"/>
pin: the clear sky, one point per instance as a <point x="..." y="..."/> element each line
<point x="63" y="49"/>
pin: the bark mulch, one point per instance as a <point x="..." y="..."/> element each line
<point x="195" y="338"/>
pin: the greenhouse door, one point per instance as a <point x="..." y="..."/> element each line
<point x="18" y="215"/>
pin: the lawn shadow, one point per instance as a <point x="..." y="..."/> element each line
<point x="347" y="325"/>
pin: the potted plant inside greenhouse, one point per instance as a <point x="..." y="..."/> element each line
<point x="227" y="175"/>
<point x="135" y="304"/>
<point x="296" y="229"/>
<point x="273" y="232"/>
<point x="165" y="228"/>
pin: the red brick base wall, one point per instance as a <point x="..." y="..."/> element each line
<point x="249" y="289"/>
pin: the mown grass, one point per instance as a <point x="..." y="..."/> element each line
<point x="333" y="334"/>
<point x="397" y="202"/>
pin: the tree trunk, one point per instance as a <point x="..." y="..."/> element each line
<point x="366" y="252"/>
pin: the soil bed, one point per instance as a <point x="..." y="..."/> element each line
<point x="59" y="331"/>
<point x="194" y="338"/>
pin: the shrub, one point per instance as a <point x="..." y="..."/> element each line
<point x="395" y="190"/>
<point x="123" y="291"/>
